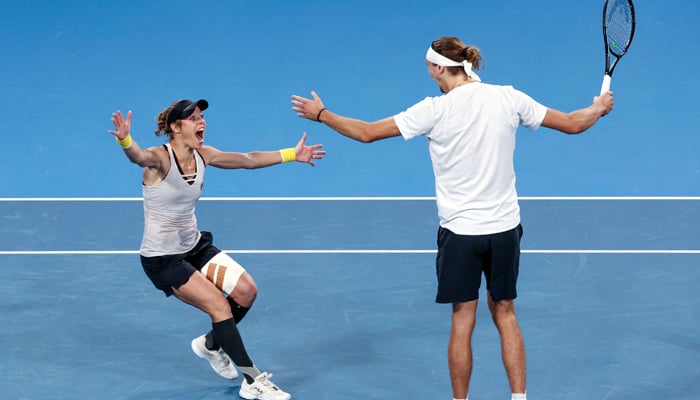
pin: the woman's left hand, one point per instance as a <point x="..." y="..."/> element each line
<point x="307" y="154"/>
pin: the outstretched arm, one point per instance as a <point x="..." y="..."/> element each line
<point x="356" y="129"/>
<point x="122" y="131"/>
<point x="579" y="120"/>
<point x="260" y="159"/>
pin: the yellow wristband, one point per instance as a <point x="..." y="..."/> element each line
<point x="126" y="142"/>
<point x="288" y="154"/>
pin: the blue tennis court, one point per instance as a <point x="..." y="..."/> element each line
<point x="346" y="304"/>
<point x="343" y="253"/>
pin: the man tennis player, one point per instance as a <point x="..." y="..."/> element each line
<point x="471" y="136"/>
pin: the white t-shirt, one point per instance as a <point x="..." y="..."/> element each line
<point x="471" y="136"/>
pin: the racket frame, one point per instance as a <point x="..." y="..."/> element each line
<point x="610" y="67"/>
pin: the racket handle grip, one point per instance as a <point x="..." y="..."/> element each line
<point x="606" y="84"/>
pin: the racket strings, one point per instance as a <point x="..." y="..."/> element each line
<point x="619" y="25"/>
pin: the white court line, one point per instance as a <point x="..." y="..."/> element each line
<point x="389" y="198"/>
<point x="556" y="198"/>
<point x="118" y="252"/>
<point x="97" y="199"/>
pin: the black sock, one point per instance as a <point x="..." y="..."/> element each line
<point x="226" y="334"/>
<point x="210" y="342"/>
<point x="238" y="310"/>
<point x="238" y="313"/>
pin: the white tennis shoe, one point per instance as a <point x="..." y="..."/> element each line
<point x="218" y="359"/>
<point x="262" y="389"/>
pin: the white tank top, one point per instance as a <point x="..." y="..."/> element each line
<point x="170" y="225"/>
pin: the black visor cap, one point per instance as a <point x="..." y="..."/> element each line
<point x="185" y="108"/>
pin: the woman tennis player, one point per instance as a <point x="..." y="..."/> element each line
<point x="180" y="259"/>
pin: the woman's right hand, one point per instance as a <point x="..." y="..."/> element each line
<point x="122" y="126"/>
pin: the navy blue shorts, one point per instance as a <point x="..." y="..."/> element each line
<point x="172" y="271"/>
<point x="461" y="260"/>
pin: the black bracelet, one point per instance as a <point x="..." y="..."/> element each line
<point x="318" y="116"/>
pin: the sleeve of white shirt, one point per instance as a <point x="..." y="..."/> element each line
<point x="531" y="112"/>
<point x="417" y="120"/>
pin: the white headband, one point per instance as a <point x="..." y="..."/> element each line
<point x="437" y="58"/>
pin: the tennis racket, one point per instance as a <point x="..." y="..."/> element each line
<point x="618" y="31"/>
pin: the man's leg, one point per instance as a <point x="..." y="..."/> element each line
<point x="459" y="353"/>
<point x="512" y="344"/>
